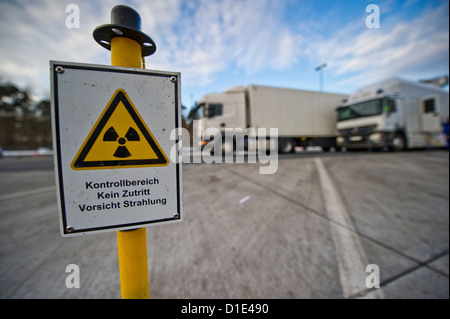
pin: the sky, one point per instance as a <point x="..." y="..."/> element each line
<point x="217" y="44"/>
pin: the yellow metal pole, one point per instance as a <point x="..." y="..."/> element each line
<point x="132" y="247"/>
<point x="125" y="52"/>
<point x="132" y="244"/>
<point x="128" y="45"/>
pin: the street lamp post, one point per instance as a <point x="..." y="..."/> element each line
<point x="320" y="70"/>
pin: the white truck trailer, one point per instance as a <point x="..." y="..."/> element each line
<point x="303" y="118"/>
<point x="394" y="114"/>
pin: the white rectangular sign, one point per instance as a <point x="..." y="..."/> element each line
<point x="116" y="139"/>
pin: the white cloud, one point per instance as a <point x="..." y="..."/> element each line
<point x="34" y="32"/>
<point x="202" y="38"/>
<point x="215" y="35"/>
<point x="414" y="49"/>
<point x="199" y="38"/>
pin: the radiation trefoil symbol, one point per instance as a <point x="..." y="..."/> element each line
<point x="119" y="139"/>
<point x="112" y="136"/>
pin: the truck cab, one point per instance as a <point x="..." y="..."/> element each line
<point x="223" y="110"/>
<point x="396" y="114"/>
<point x="372" y="123"/>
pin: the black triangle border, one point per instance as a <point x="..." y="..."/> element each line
<point x="80" y="162"/>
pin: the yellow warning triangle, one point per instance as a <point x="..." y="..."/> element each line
<point x="119" y="139"/>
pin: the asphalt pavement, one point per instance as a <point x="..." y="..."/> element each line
<point x="308" y="231"/>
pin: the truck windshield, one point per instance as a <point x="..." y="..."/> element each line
<point x="198" y="112"/>
<point x="363" y="109"/>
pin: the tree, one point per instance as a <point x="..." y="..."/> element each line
<point x="14" y="103"/>
<point x="23" y="123"/>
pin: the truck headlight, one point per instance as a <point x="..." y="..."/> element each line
<point x="376" y="137"/>
<point x="340" y="140"/>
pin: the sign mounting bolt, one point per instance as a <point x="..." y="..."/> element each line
<point x="173" y="79"/>
<point x="69" y="229"/>
<point x="59" y="69"/>
<point x="176" y="216"/>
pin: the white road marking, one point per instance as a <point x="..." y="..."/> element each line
<point x="27" y="193"/>
<point x="243" y="200"/>
<point x="351" y="257"/>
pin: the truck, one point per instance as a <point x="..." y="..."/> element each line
<point x="394" y="114"/>
<point x="303" y="118"/>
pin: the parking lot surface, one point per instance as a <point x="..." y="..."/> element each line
<point x="307" y="231"/>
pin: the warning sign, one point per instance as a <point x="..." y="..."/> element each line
<point x="119" y="139"/>
<point x="117" y="147"/>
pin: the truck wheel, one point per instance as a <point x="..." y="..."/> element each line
<point x="398" y="143"/>
<point x="227" y="149"/>
<point x="286" y="145"/>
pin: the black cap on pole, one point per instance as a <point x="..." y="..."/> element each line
<point x="125" y="22"/>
